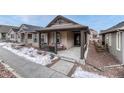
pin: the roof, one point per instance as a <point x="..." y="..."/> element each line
<point x="93" y="31"/>
<point x="60" y="23"/>
<point x="64" y="27"/>
<point x="118" y="27"/>
<point x="30" y="28"/>
<point x="5" y="28"/>
<point x="15" y="29"/>
<point x="60" y="17"/>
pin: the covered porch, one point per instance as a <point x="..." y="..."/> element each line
<point x="74" y="42"/>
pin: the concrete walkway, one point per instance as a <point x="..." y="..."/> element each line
<point x="28" y="69"/>
<point x="63" y="66"/>
<point x="73" y="53"/>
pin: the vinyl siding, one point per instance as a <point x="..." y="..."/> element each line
<point x="112" y="49"/>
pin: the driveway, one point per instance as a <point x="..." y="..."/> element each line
<point x="28" y="69"/>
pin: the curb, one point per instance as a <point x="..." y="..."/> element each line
<point x="10" y="69"/>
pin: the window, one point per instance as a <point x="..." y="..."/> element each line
<point x="58" y="38"/>
<point x="118" y="41"/>
<point x="12" y="35"/>
<point x="35" y="37"/>
<point x="29" y="36"/>
<point x="43" y="38"/>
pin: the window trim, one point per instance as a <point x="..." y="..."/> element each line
<point x="29" y="36"/>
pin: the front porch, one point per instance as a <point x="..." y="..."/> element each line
<point x="64" y="34"/>
<point x="66" y="43"/>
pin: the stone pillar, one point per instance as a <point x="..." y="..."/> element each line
<point x="82" y="44"/>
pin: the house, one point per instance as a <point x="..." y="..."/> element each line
<point x="63" y="34"/>
<point x="25" y="34"/>
<point x="12" y="35"/>
<point x="4" y="29"/>
<point x="93" y="35"/>
<point x="28" y="35"/>
<point x="113" y="40"/>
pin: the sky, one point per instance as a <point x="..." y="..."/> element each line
<point x="96" y="22"/>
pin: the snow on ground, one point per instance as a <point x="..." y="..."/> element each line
<point x="28" y="53"/>
<point x="79" y="73"/>
<point x="2" y="44"/>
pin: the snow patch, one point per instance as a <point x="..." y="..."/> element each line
<point x="79" y="73"/>
<point x="28" y="53"/>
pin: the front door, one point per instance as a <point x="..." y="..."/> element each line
<point x="77" y="39"/>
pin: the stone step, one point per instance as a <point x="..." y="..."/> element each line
<point x="67" y="59"/>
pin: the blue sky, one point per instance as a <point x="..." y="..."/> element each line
<point x="97" y="22"/>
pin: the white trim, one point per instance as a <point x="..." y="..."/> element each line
<point x="118" y="41"/>
<point x="109" y="39"/>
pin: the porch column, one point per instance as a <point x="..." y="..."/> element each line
<point x="40" y="40"/>
<point x="55" y="41"/>
<point x="82" y="43"/>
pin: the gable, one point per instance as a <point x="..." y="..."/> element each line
<point x="11" y="31"/>
<point x="22" y="27"/>
<point x="60" y="20"/>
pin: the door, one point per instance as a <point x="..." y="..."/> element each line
<point x="77" y="39"/>
<point x="44" y="40"/>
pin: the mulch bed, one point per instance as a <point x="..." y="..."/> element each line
<point x="4" y="73"/>
<point x="101" y="59"/>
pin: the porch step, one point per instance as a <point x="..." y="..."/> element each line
<point x="67" y="59"/>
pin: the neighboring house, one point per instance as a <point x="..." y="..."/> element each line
<point x="28" y="35"/>
<point x="113" y="39"/>
<point x="63" y="34"/>
<point x="4" y="29"/>
<point x="93" y="35"/>
<point x="12" y="35"/>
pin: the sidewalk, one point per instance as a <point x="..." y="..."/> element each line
<point x="28" y="69"/>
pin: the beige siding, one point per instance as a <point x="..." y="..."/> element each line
<point x="14" y="34"/>
<point x="64" y="38"/>
<point x="67" y="39"/>
<point x="19" y="37"/>
<point x="51" y="39"/>
<point x="70" y="40"/>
